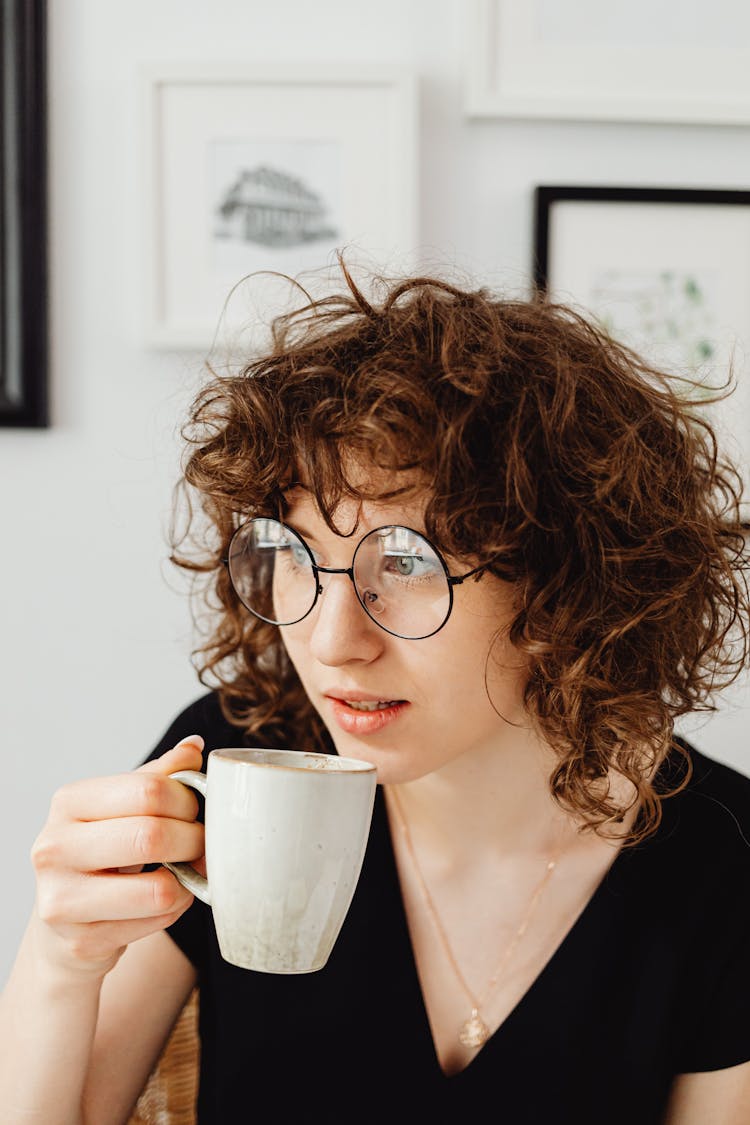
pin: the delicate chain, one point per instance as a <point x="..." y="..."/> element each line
<point x="476" y="1003"/>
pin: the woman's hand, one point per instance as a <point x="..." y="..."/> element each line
<point x="93" y="897"/>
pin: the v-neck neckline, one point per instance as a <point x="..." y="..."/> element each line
<point x="608" y="882"/>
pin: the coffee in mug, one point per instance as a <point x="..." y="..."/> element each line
<point x="286" y="833"/>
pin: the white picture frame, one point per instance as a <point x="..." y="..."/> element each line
<point x="255" y="170"/>
<point x="667" y="272"/>
<point x="593" y="61"/>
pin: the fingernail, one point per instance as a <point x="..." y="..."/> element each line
<point x="193" y="740"/>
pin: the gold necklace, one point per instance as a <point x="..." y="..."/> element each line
<point x="473" y="1032"/>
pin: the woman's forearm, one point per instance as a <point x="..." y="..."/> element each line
<point x="93" y="899"/>
<point x="47" y="1026"/>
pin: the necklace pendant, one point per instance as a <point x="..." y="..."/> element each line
<point x="474" y="1032"/>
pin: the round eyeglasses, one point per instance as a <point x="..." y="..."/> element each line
<point x="400" y="578"/>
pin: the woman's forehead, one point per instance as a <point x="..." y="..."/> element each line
<point x="360" y="475"/>
<point x="352" y="515"/>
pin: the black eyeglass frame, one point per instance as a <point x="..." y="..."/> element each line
<point x="451" y="579"/>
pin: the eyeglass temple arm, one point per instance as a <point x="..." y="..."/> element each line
<point x="457" y="579"/>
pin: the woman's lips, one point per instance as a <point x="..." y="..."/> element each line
<point x="364" y="722"/>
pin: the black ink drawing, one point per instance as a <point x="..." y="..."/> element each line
<point x="274" y="209"/>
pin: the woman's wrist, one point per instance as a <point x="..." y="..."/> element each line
<point x="59" y="965"/>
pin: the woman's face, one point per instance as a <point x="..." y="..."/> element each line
<point x="350" y="667"/>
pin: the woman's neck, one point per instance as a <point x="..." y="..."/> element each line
<point x="493" y="799"/>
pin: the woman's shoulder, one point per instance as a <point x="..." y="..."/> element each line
<point x="712" y="812"/>
<point x="691" y="876"/>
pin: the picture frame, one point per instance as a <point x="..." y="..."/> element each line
<point x="588" y="61"/>
<point x="260" y="172"/>
<point x="667" y="272"/>
<point x="23" y="215"/>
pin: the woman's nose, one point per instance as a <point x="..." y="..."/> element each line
<point x="341" y="630"/>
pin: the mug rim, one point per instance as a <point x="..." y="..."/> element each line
<point x="241" y="755"/>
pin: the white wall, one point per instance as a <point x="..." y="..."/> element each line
<point x="95" y="645"/>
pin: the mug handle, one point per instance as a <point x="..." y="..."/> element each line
<point x="185" y="872"/>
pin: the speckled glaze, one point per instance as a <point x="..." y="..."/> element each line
<point x="286" y="833"/>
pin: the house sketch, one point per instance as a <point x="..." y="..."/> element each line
<point x="272" y="208"/>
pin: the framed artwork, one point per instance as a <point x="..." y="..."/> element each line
<point x="260" y="171"/>
<point x="587" y="60"/>
<point x="23" y="233"/>
<point x="667" y="272"/>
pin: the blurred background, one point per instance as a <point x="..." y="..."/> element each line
<point x="96" y="630"/>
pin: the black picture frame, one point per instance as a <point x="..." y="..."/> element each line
<point x="574" y="249"/>
<point x="24" y="348"/>
<point x="546" y="196"/>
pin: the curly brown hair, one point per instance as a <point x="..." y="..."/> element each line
<point x="592" y="481"/>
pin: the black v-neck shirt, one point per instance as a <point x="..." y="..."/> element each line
<point x="651" y="981"/>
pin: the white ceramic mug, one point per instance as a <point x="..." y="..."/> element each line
<point x="286" y="833"/>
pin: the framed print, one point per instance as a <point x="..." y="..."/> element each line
<point x="667" y="272"/>
<point x="23" y="234"/>
<point x="262" y="171"/>
<point x="588" y="60"/>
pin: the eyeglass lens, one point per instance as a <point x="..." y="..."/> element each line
<point x="399" y="577"/>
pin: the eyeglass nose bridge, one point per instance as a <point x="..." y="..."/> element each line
<point x="362" y="597"/>
<point x="348" y="570"/>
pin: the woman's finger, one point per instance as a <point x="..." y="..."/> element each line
<point x="99" y="940"/>
<point x="142" y="792"/>
<point x="102" y="845"/>
<point x="112" y="898"/>
<point x="122" y="795"/>
<point x="185" y="755"/>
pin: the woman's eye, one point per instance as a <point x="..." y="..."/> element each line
<point x="406" y="565"/>
<point x="300" y="556"/>
<point x="292" y="555"/>
<point x="410" y="566"/>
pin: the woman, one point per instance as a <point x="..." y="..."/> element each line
<point x="538" y="933"/>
